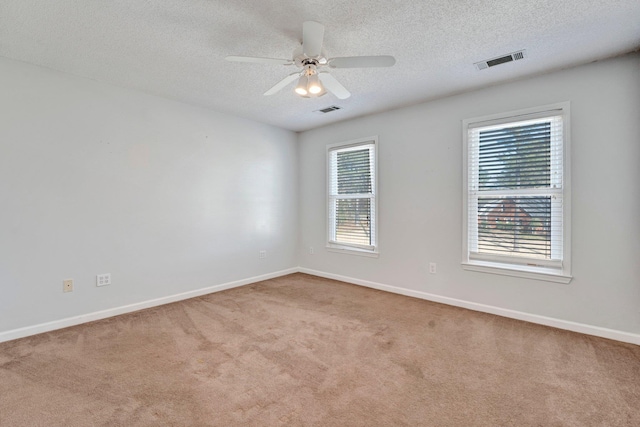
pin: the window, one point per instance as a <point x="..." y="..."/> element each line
<point x="517" y="194"/>
<point x="351" y="197"/>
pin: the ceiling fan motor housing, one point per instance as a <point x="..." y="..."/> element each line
<point x="300" y="59"/>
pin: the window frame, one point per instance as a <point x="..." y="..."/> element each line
<point x="559" y="274"/>
<point x="333" y="246"/>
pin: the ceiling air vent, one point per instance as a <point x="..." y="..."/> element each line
<point x="328" y="109"/>
<point x="515" y="56"/>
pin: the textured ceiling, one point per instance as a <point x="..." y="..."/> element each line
<point x="176" y="48"/>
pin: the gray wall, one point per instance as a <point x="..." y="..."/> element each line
<point x="166" y="197"/>
<point x="420" y="197"/>
<point x="170" y="198"/>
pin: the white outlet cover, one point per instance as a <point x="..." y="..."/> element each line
<point x="103" y="279"/>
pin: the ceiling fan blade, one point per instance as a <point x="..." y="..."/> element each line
<point x="282" y="83"/>
<point x="259" y="60"/>
<point x="312" y="36"/>
<point x="333" y="85"/>
<point x="362" y="61"/>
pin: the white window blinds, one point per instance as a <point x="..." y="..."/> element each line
<point x="515" y="191"/>
<point x="352" y="196"/>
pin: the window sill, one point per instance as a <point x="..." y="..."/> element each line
<point x="547" y="275"/>
<point x="353" y="251"/>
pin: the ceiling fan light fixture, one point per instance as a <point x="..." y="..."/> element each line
<point x="309" y="85"/>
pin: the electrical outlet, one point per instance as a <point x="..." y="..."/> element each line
<point x="432" y="267"/>
<point x="311" y="250"/>
<point x="263" y="254"/>
<point x="103" y="279"/>
<point x="67" y="285"/>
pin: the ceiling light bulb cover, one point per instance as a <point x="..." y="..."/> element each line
<point x="301" y="87"/>
<point x="314" y="87"/>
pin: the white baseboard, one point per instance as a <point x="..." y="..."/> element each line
<point x="98" y="315"/>
<point x="513" y="314"/>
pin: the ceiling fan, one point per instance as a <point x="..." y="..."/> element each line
<point x="311" y="58"/>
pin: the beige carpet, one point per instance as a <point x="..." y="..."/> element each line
<point x="305" y="351"/>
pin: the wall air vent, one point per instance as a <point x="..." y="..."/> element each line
<point x="328" y="109"/>
<point x="515" y="56"/>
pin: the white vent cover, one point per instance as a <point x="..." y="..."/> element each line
<point x="328" y="109"/>
<point x="514" y="56"/>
